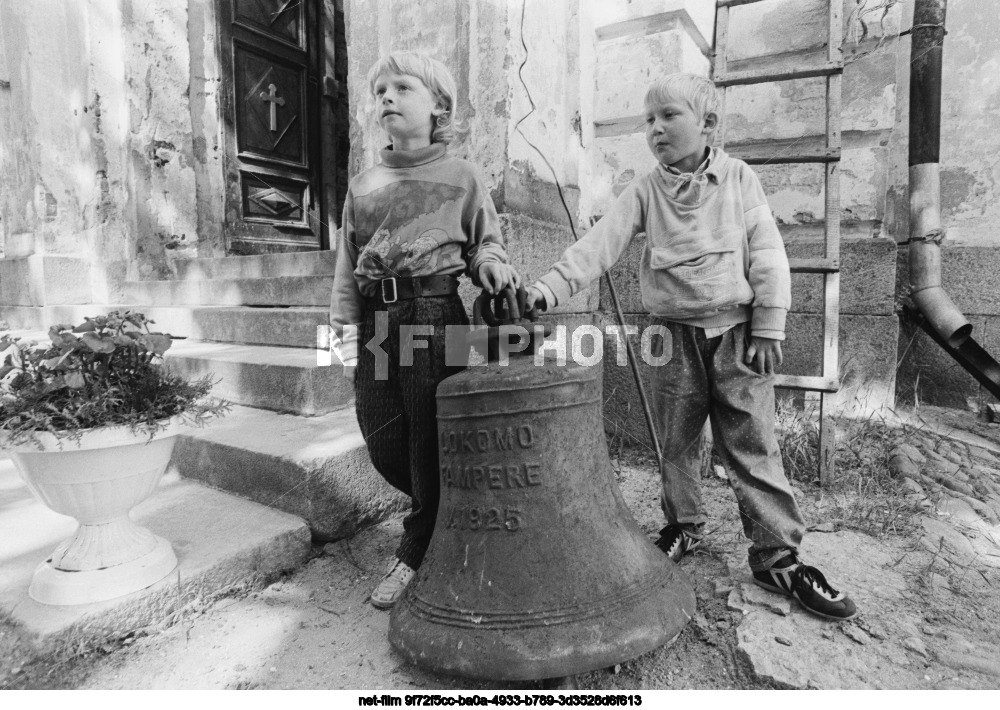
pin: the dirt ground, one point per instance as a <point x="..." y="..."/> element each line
<point x="928" y="618"/>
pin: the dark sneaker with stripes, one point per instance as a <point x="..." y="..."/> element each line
<point x="675" y="542"/>
<point x="790" y="577"/>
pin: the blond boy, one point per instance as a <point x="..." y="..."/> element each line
<point x="715" y="274"/>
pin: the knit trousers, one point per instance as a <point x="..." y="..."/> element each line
<point x="707" y="377"/>
<point x="396" y="405"/>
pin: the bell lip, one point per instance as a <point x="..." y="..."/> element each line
<point x="484" y="655"/>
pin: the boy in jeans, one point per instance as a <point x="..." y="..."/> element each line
<point x="715" y="274"/>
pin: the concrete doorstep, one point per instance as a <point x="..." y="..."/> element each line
<point x="222" y="543"/>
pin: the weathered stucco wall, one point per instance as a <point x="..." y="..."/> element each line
<point x="109" y="145"/>
<point x="60" y="153"/>
<point x="162" y="165"/>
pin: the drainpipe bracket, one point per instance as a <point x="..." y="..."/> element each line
<point x="933" y="236"/>
<point x="908" y="30"/>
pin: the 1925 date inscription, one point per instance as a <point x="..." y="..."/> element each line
<point x="474" y="517"/>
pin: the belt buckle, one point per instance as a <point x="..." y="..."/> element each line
<point x="395" y="292"/>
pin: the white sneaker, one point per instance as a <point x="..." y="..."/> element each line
<point x="392" y="586"/>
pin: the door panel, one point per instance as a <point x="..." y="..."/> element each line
<point x="271" y="111"/>
<point x="279" y="19"/>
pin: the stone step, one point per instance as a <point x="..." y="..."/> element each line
<point x="275" y="291"/>
<point x="276" y="378"/>
<point x="313" y="467"/>
<point x="222" y="543"/>
<point x="308" y="263"/>
<point x="293" y="326"/>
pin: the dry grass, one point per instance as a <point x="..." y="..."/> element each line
<point x="864" y="495"/>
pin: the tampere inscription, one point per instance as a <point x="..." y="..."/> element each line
<point x="497" y="477"/>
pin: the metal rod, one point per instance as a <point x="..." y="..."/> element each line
<point x="635" y="371"/>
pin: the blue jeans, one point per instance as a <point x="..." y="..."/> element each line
<point x="707" y="377"/>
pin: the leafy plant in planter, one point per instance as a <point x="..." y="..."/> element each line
<point x="90" y="420"/>
<point x="103" y="372"/>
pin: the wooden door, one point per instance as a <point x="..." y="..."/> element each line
<point x="271" y="109"/>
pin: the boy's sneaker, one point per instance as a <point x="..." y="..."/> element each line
<point x="790" y="577"/>
<point x="392" y="586"/>
<point x="675" y="542"/>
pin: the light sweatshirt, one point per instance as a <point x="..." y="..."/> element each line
<point x="713" y="255"/>
<point x="418" y="213"/>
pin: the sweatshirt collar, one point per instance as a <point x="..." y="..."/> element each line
<point x="692" y="188"/>
<point x="710" y="167"/>
<point x="411" y="158"/>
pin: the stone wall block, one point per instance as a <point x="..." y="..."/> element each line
<point x="867" y="348"/>
<point x="44" y="281"/>
<point x="19" y="285"/>
<point x="970" y="276"/>
<point x="929" y="375"/>
<point x="867" y="277"/>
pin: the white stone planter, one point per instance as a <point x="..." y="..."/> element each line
<point x="98" y="479"/>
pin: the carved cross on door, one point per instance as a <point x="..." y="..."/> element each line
<point x="272" y="97"/>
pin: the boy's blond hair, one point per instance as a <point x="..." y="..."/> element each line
<point x="436" y="78"/>
<point x="698" y="92"/>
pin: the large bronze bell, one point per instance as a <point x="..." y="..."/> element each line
<point x="536" y="568"/>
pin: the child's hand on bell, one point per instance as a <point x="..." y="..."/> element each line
<point x="496" y="276"/>
<point x="534" y="298"/>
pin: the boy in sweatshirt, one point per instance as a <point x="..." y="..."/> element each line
<point x="715" y="275"/>
<point x="412" y="225"/>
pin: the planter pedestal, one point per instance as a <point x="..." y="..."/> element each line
<point x="97" y="479"/>
<point x="62" y="588"/>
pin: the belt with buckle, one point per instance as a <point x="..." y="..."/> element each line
<point x="402" y="289"/>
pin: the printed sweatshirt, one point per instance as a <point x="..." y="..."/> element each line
<point x="418" y="213"/>
<point x="713" y="255"/>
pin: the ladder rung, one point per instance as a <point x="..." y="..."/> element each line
<point x="734" y="3"/>
<point x="807" y="382"/>
<point x="808" y="149"/>
<point x="813" y="266"/>
<point x="784" y="70"/>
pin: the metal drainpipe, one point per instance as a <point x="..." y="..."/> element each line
<point x="925" y="183"/>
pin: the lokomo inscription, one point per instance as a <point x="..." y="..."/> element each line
<point x="482" y="441"/>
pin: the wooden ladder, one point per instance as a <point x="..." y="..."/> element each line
<point x="826" y="150"/>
